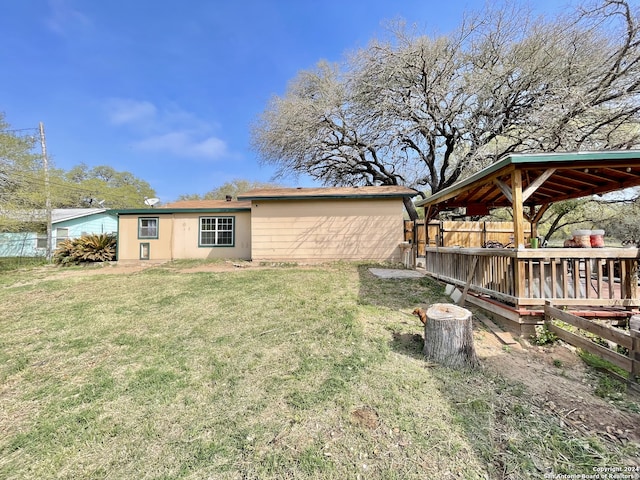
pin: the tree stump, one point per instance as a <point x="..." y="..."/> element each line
<point x="448" y="336"/>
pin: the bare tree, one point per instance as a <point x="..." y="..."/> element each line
<point x="426" y="111"/>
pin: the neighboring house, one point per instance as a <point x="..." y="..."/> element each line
<point x="281" y="225"/>
<point x="22" y="244"/>
<point x="77" y="222"/>
<point x="65" y="223"/>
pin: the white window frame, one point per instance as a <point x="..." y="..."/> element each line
<point x="146" y="234"/>
<point x="220" y="230"/>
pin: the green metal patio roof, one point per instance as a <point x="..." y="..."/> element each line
<point x="546" y="178"/>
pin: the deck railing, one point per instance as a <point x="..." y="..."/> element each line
<point x="568" y="276"/>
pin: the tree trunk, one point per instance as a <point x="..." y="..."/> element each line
<point x="448" y="336"/>
<point x="411" y="209"/>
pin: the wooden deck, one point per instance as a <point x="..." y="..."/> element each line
<point x="597" y="282"/>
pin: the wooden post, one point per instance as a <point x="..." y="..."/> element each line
<point x="532" y="223"/>
<point x="629" y="274"/>
<point x="518" y="211"/>
<point x="518" y="232"/>
<point x="634" y="351"/>
<point x="448" y="336"/>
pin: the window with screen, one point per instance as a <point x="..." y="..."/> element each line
<point x="217" y="231"/>
<point x="148" y="227"/>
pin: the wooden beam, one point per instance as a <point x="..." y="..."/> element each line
<point x="603" y="331"/>
<point x="581" y="342"/>
<point x="533" y="186"/>
<point x="472" y="271"/>
<point x="634" y="351"/>
<point x="540" y="212"/>
<point x="504" y="337"/>
<point x="504" y="188"/>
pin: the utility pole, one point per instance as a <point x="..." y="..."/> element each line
<point x="47" y="190"/>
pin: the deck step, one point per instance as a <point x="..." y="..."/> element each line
<point x="504" y="337"/>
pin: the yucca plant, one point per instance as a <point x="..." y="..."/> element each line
<point x="64" y="253"/>
<point x="88" y="248"/>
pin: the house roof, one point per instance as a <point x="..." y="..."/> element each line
<point x="63" y="214"/>
<point x="57" y="214"/>
<point x="329" y="192"/>
<point x="546" y="178"/>
<point x="191" y="206"/>
<point x="206" y="204"/>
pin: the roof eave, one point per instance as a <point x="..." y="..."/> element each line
<point x="328" y="196"/>
<point x="164" y="211"/>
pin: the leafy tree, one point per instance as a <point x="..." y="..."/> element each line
<point x="232" y="189"/>
<point x="561" y="218"/>
<point x="22" y="183"/>
<point x="625" y="225"/>
<point x="101" y="185"/>
<point x="20" y="171"/>
<point x="426" y="111"/>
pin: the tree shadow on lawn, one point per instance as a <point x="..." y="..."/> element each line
<point x="485" y="405"/>
<point x="402" y="296"/>
<point x="398" y="293"/>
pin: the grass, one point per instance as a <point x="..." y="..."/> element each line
<point x="8" y="264"/>
<point x="254" y="373"/>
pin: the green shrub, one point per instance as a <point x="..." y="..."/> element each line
<point x="86" y="249"/>
<point x="543" y="336"/>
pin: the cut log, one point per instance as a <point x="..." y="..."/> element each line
<point x="448" y="336"/>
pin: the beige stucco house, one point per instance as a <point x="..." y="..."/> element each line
<point x="305" y="225"/>
<point x="190" y="229"/>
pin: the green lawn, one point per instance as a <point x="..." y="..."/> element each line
<point x="256" y="373"/>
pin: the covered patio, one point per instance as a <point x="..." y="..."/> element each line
<point x="515" y="283"/>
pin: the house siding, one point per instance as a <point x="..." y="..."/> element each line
<point x="187" y="236"/>
<point x="178" y="237"/>
<point x="24" y="244"/>
<point x="319" y="230"/>
<point x="95" y="224"/>
<point x="20" y="245"/>
<point x="129" y="242"/>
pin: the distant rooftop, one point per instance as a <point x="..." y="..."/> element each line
<point x="206" y="204"/>
<point x="57" y="214"/>
<point x="328" y="192"/>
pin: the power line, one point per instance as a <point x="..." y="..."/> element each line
<point x="36" y="180"/>
<point x="39" y="181"/>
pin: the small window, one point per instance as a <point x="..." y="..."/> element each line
<point x="148" y="227"/>
<point x="144" y="251"/>
<point x="41" y="241"/>
<point x="62" y="234"/>
<point x="217" y="231"/>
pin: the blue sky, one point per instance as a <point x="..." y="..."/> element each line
<point x="168" y="90"/>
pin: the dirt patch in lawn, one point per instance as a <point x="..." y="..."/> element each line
<point x="560" y="382"/>
<point x="124" y="268"/>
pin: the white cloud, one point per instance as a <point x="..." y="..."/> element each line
<point x="123" y="111"/>
<point x="64" y="18"/>
<point x="170" y="130"/>
<point x="184" y="144"/>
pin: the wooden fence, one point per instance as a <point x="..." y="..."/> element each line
<point x="458" y="234"/>
<point x="630" y="341"/>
